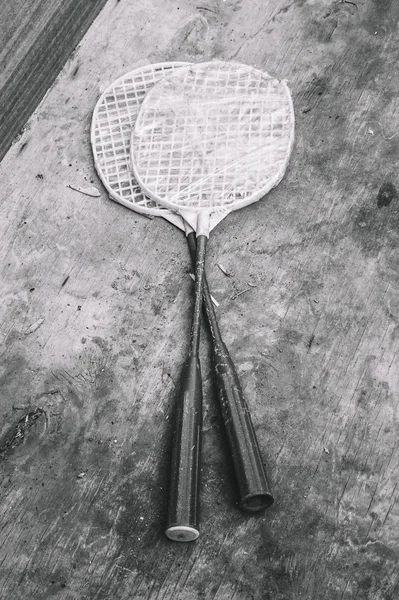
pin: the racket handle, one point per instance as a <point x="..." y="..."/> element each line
<point x="250" y="473"/>
<point x="183" y="517"/>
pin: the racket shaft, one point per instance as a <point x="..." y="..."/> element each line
<point x="199" y="264"/>
<point x="250" y="474"/>
<point x="183" y="517"/>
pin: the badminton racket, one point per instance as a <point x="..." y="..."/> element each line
<point x="113" y="116"/>
<point x="209" y="138"/>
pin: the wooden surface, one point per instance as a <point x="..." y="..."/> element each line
<point x="36" y="39"/>
<point x="95" y="315"/>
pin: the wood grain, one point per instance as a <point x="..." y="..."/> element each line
<point x="95" y="318"/>
<point x="36" y="39"/>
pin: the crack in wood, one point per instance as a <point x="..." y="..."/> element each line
<point x="16" y="434"/>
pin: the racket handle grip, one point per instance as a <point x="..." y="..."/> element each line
<point x="250" y="473"/>
<point x="183" y="510"/>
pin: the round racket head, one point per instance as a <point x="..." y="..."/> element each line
<point x="213" y="136"/>
<point x="112" y="122"/>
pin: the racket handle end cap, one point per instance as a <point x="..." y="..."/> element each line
<point x="182" y="533"/>
<point x="256" y="502"/>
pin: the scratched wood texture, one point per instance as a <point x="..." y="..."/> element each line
<point x="95" y="314"/>
<point x="36" y="38"/>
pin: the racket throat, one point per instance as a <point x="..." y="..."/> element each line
<point x="199" y="287"/>
<point x="199" y="221"/>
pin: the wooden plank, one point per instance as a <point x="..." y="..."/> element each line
<point x="36" y="39"/>
<point x="96" y="307"/>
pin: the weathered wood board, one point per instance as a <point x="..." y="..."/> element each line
<point x="36" y="39"/>
<point x="95" y="314"/>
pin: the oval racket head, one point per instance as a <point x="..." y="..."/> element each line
<point x="212" y="136"/>
<point x="113" y="119"/>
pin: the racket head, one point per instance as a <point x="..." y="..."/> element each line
<point x="112" y="122"/>
<point x="212" y="137"/>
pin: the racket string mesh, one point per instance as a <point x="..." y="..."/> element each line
<point x="213" y="135"/>
<point x="113" y="120"/>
